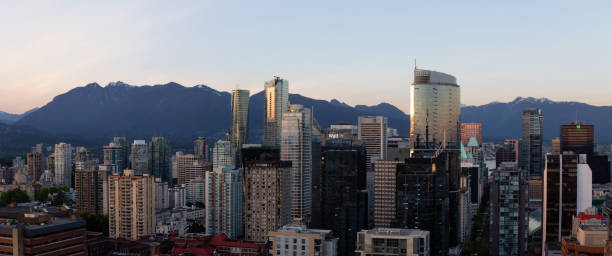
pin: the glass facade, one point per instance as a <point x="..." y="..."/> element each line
<point x="240" y="113"/>
<point x="277" y="102"/>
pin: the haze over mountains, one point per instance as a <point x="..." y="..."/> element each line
<point x="93" y="112"/>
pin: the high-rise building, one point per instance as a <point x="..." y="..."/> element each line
<point x="159" y="158"/>
<point x="508" y="228"/>
<point x="162" y="195"/>
<point x="224" y="202"/>
<point x="277" y="102"/>
<point x="559" y="202"/>
<point x="114" y="154"/>
<point x="372" y="131"/>
<point x="393" y="241"/>
<point x="298" y="240"/>
<point x="177" y="196"/>
<point x="344" y="203"/>
<point x="267" y="193"/>
<point x="240" y="114"/>
<point x="188" y="167"/>
<point x="89" y="184"/>
<point x="131" y="204"/>
<point x="125" y="146"/>
<point x="35" y="164"/>
<point x="196" y="190"/>
<point x="385" y="174"/>
<point x="223" y="155"/>
<point x="296" y="147"/>
<point x="577" y="137"/>
<point x="556" y="145"/>
<point x="469" y="130"/>
<point x="139" y="157"/>
<point x="531" y="153"/>
<point x="584" y="181"/>
<point x="434" y="110"/>
<point x="63" y="164"/>
<point x="200" y="148"/>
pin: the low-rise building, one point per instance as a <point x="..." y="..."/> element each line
<point x="392" y="241"/>
<point x="298" y="240"/>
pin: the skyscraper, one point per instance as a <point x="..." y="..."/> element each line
<point x="159" y="158"/>
<point x="277" y="102"/>
<point x="434" y="110"/>
<point x="125" y="146"/>
<point x="200" y="148"/>
<point x="240" y="114"/>
<point x="508" y="227"/>
<point x="63" y="164"/>
<point x="131" y="204"/>
<point x="372" y="131"/>
<point x="139" y="157"/>
<point x="559" y="202"/>
<point x="296" y="147"/>
<point x="577" y="137"/>
<point x="35" y="164"/>
<point x="224" y="202"/>
<point x="89" y="186"/>
<point x="267" y="193"/>
<point x="223" y="155"/>
<point x="469" y="130"/>
<point x="113" y="155"/>
<point x="385" y="175"/>
<point x="531" y="153"/>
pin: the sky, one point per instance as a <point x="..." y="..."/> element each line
<point x="359" y="52"/>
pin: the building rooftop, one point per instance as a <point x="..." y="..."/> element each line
<point x="396" y="232"/>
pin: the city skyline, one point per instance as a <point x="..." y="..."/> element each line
<point x="326" y="50"/>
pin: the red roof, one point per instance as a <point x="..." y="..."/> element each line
<point x="223" y="240"/>
<point x="584" y="216"/>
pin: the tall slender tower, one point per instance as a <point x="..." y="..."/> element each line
<point x="139" y="157"/>
<point x="531" y="152"/>
<point x="159" y="158"/>
<point x="200" y="148"/>
<point x="63" y="164"/>
<point x="296" y="147"/>
<point x="277" y="102"/>
<point x="434" y="110"/>
<point x="240" y="114"/>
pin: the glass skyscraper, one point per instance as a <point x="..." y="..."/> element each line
<point x="531" y="151"/>
<point x="277" y="102"/>
<point x="159" y="158"/>
<point x="296" y="147"/>
<point x="434" y="110"/>
<point x="240" y="113"/>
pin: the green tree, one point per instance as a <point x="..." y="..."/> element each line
<point x="196" y="227"/>
<point x="14" y="196"/>
<point x="94" y="222"/>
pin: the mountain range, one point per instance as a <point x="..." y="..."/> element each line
<point x="96" y="113"/>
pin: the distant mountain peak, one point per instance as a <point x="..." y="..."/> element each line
<point x="531" y="100"/>
<point x="337" y="102"/>
<point x="172" y="84"/>
<point x="119" y="84"/>
<point x="94" y="85"/>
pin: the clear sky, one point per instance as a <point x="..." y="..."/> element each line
<point x="360" y="52"/>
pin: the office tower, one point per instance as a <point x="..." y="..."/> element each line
<point x="531" y="152"/>
<point x="577" y="137"/>
<point x="35" y="164"/>
<point x="159" y="158"/>
<point x="393" y="241"/>
<point x="162" y="195"/>
<point x="200" y="148"/>
<point x="196" y="190"/>
<point x="114" y="155"/>
<point x="559" y="201"/>
<point x="63" y="164"/>
<point x="556" y="145"/>
<point x="508" y="227"/>
<point x="139" y="157"/>
<point x="385" y="172"/>
<point x="188" y="167"/>
<point x="224" y="202"/>
<point x="177" y="196"/>
<point x="223" y="155"/>
<point x="298" y="240"/>
<point x="267" y="193"/>
<point x="131" y="205"/>
<point x="296" y="147"/>
<point x="372" y="131"/>
<point x="584" y="181"/>
<point x="469" y="130"/>
<point x="434" y="110"/>
<point x="277" y="102"/>
<point x="125" y="146"/>
<point x="342" y="131"/>
<point x="344" y="203"/>
<point x="240" y="114"/>
<point x="89" y="185"/>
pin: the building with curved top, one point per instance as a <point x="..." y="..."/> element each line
<point x="435" y="108"/>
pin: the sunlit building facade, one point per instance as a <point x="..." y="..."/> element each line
<point x="277" y="102"/>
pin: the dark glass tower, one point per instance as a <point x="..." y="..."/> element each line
<point x="159" y="158"/>
<point x="531" y="148"/>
